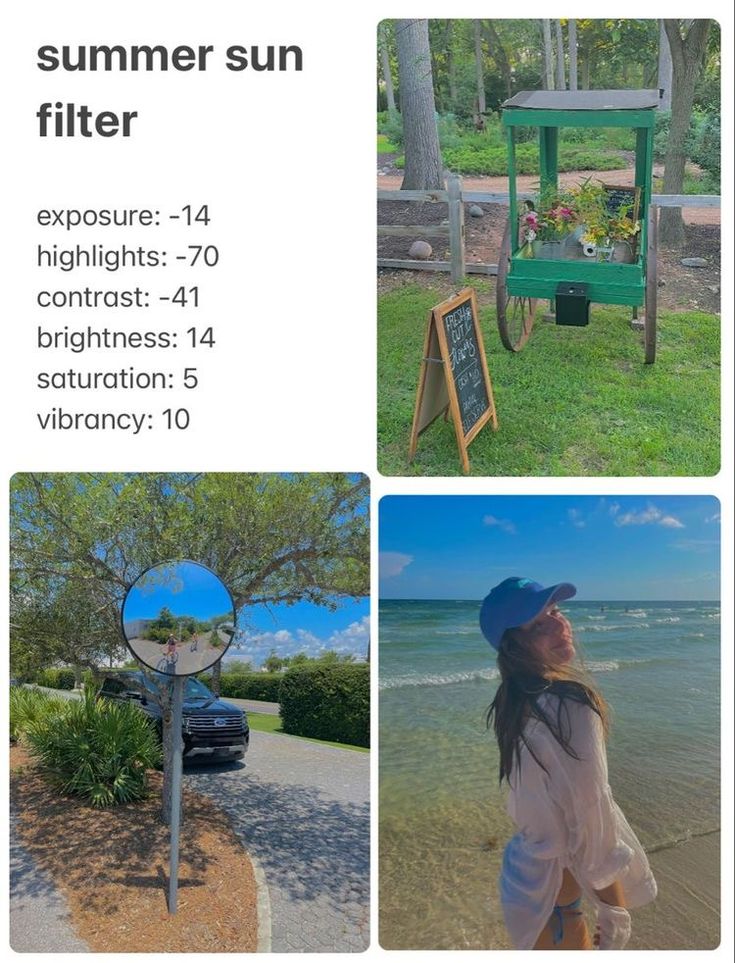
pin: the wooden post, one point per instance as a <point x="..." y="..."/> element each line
<point x="456" y="228"/>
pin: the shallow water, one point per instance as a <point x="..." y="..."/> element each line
<point x="442" y="815"/>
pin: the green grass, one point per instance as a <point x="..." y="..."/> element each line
<point x="265" y="722"/>
<point x="574" y="401"/>
<point x="385" y="146"/>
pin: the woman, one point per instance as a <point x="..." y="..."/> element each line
<point x="551" y="722"/>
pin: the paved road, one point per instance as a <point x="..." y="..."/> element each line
<point x="303" y="810"/>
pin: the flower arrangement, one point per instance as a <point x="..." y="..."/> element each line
<point x="584" y="209"/>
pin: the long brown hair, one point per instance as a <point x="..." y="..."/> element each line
<point x="523" y="679"/>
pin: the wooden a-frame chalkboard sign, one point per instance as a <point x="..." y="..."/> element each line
<point x="453" y="378"/>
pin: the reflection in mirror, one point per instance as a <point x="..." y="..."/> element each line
<point x="178" y="618"/>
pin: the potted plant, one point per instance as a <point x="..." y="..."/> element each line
<point x="557" y="220"/>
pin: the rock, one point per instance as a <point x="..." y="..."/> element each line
<point x="715" y="288"/>
<point x="420" y="250"/>
<point x="695" y="262"/>
<point x="476" y="211"/>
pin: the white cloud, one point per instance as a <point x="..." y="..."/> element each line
<point x="504" y="524"/>
<point x="576" y="518"/>
<point x="648" y="516"/>
<point x="393" y="563"/>
<point x="712" y="518"/>
<point x="255" y="647"/>
<point x="614" y="509"/>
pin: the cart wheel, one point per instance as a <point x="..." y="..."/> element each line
<point x="649" y="329"/>
<point x="515" y="315"/>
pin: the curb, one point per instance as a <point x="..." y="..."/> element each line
<point x="263" y="906"/>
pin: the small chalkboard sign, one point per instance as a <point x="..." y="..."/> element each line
<point x="454" y="377"/>
<point x="623" y="196"/>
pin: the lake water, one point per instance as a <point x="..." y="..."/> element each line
<point x="442" y="815"/>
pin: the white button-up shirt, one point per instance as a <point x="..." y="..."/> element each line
<point x="567" y="818"/>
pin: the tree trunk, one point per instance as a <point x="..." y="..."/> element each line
<point x="497" y="51"/>
<point x="560" y="72"/>
<point x="479" y="76"/>
<point x="548" y="57"/>
<point x="385" y="63"/>
<point x="572" y="39"/>
<point x="423" y="169"/>
<point x="665" y="68"/>
<point x="586" y="71"/>
<point x="687" y="55"/>
<point x="451" y="66"/>
<point x="216" y="677"/>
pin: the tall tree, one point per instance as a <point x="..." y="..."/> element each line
<point x="572" y="41"/>
<point x="499" y="55"/>
<point x="560" y="78"/>
<point x="451" y="64"/>
<point x="665" y="68"/>
<point x="390" y="97"/>
<point x="548" y="75"/>
<point x="688" y="44"/>
<point x="423" y="170"/>
<point x="479" y="76"/>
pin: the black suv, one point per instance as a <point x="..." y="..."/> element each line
<point x="213" y="730"/>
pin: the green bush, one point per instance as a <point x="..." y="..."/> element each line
<point x="263" y="686"/>
<point x="329" y="702"/>
<point x="97" y="750"/>
<point x="493" y="161"/>
<point x="56" y="678"/>
<point x="706" y="148"/>
<point x="28" y="706"/>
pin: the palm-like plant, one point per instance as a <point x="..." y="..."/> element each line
<point x="97" y="750"/>
<point x="29" y="705"/>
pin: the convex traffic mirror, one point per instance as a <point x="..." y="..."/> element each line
<point x="178" y="618"/>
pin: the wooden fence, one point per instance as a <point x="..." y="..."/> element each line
<point x="456" y="198"/>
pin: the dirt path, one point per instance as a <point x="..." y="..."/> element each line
<point x="527" y="182"/>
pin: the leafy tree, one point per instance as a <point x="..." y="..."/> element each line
<point x="78" y="541"/>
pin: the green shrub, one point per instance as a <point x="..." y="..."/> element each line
<point x="493" y="161"/>
<point x="97" y="750"/>
<point x="706" y="148"/>
<point x="28" y="706"/>
<point x="263" y="686"/>
<point x="327" y="702"/>
<point x="56" y="678"/>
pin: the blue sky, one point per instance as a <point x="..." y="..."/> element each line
<point x="188" y="589"/>
<point x="611" y="547"/>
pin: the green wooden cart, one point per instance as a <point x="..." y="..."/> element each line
<point x="523" y="280"/>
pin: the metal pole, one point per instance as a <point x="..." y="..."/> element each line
<point x="176" y="770"/>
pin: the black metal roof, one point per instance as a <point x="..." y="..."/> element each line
<point x="584" y="99"/>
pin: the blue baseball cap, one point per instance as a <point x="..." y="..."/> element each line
<point x="515" y="602"/>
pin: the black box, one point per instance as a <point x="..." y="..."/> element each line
<point x="572" y="304"/>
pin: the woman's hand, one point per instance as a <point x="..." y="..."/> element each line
<point x="613" y="927"/>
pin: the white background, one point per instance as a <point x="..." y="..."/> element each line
<point x="287" y="164"/>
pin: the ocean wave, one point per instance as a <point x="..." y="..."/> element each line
<point x="603" y="666"/>
<point x="610" y="628"/>
<point x="670" y="619"/>
<point x="635" y="614"/>
<point x="413" y="681"/>
<point x="597" y="618"/>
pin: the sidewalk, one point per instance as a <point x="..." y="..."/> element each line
<point x="39" y="916"/>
